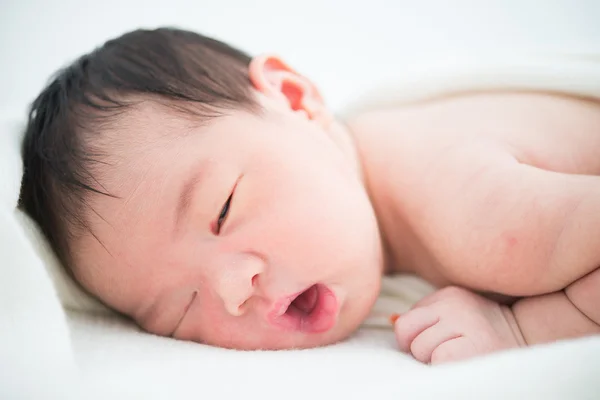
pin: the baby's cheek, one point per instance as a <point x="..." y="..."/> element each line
<point x="208" y="322"/>
<point x="228" y="332"/>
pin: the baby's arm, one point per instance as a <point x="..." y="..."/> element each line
<point x="564" y="216"/>
<point x="453" y="323"/>
<point x="565" y="209"/>
<point x="550" y="225"/>
<point x="568" y="313"/>
<point x="537" y="231"/>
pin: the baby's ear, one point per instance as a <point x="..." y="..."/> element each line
<point x="275" y="79"/>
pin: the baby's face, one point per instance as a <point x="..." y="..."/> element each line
<point x="247" y="232"/>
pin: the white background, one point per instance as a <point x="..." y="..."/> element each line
<point x="341" y="45"/>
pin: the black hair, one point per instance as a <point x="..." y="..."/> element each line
<point x="60" y="152"/>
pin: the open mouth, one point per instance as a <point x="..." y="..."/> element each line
<point x="314" y="310"/>
<point x="305" y="303"/>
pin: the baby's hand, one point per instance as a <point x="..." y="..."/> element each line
<point x="453" y="324"/>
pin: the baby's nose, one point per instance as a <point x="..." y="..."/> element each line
<point x="237" y="282"/>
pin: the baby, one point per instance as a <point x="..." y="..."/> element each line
<point x="213" y="197"/>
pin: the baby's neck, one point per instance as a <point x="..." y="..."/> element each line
<point x="350" y="138"/>
<point x="344" y="140"/>
<point x="370" y="140"/>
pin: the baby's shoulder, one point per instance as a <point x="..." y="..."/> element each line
<point x="553" y="132"/>
<point x="419" y="143"/>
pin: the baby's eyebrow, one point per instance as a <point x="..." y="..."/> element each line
<point x="186" y="194"/>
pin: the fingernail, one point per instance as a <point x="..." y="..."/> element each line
<point x="394" y="318"/>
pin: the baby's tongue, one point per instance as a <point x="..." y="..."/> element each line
<point x="307" y="301"/>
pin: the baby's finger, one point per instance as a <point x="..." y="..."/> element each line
<point x="455" y="349"/>
<point x="411" y="324"/>
<point x="438" y="295"/>
<point x="423" y="346"/>
<point x="427" y="300"/>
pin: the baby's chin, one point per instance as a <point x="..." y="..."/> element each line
<point x="296" y="343"/>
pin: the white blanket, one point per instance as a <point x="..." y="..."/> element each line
<point x="55" y="342"/>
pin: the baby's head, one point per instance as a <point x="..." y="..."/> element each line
<point x="210" y="196"/>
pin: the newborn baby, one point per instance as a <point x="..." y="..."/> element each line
<point x="213" y="197"/>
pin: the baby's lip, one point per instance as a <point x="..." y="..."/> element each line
<point x="316" y="312"/>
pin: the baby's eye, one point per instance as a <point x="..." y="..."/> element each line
<point x="223" y="214"/>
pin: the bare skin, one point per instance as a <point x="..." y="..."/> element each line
<point x="493" y="193"/>
<point x="215" y="226"/>
<point x="497" y="193"/>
